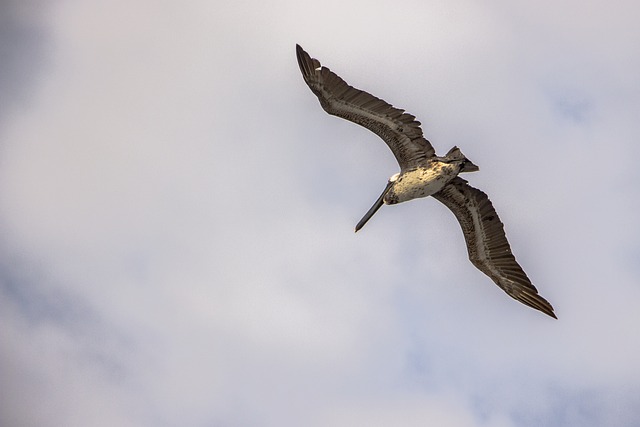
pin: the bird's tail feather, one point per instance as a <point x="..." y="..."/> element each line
<point x="467" y="165"/>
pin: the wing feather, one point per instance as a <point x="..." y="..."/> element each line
<point x="400" y="130"/>
<point x="487" y="243"/>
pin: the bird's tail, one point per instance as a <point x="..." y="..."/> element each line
<point x="467" y="165"/>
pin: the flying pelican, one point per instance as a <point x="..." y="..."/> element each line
<point x="423" y="174"/>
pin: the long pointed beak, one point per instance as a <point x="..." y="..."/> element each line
<point x="374" y="208"/>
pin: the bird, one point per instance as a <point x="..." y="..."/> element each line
<point x="423" y="174"/>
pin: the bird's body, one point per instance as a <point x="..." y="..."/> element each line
<point x="420" y="182"/>
<point x="427" y="180"/>
<point x="424" y="174"/>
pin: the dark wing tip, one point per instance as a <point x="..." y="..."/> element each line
<point x="549" y="313"/>
<point x="548" y="309"/>
<point x="534" y="300"/>
<point x="300" y="54"/>
<point x="307" y="64"/>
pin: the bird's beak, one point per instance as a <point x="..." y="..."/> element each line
<point x="374" y="208"/>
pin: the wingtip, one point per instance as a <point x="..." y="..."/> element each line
<point x="304" y="62"/>
<point x="546" y="308"/>
<point x="300" y="52"/>
<point x="530" y="297"/>
<point x="540" y="304"/>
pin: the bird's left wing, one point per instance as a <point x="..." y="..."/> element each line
<point x="487" y="243"/>
<point x="401" y="131"/>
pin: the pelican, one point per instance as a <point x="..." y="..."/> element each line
<point x="424" y="174"/>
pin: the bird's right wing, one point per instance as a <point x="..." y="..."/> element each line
<point x="487" y="243"/>
<point x="401" y="131"/>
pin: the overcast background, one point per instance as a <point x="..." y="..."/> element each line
<point x="177" y="213"/>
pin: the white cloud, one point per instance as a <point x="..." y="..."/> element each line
<point x="177" y="216"/>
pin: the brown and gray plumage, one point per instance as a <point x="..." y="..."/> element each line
<point x="423" y="174"/>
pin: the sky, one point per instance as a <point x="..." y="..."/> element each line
<point x="177" y="213"/>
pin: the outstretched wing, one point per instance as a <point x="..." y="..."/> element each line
<point x="487" y="244"/>
<point x="401" y="131"/>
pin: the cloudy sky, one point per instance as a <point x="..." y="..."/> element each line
<point x="177" y="213"/>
